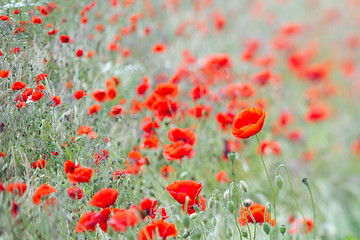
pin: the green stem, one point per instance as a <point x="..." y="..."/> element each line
<point x="272" y="188"/>
<point x="306" y="182"/>
<point x="236" y="222"/>
<point x="292" y="192"/>
<point x="253" y="219"/>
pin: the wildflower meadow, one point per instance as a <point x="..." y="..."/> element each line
<point x="170" y="119"/>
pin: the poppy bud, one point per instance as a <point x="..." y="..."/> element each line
<point x="266" y="228"/>
<point x="244" y="234"/>
<point x="248" y="203"/>
<point x="211" y="202"/>
<point x="128" y="181"/>
<point x="185" y="234"/>
<point x="186" y="222"/>
<point x="306" y="182"/>
<point x="130" y="235"/>
<point x="214" y="221"/>
<point x="231" y="206"/>
<point x="231" y="156"/>
<point x="193" y="216"/>
<point x="244" y="186"/>
<point x="196" y="208"/>
<point x="226" y="194"/>
<point x="282" y="229"/>
<point x="279" y="181"/>
<point x="229" y="232"/>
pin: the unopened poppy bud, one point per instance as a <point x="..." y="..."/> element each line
<point x="244" y="234"/>
<point x="279" y="181"/>
<point x="244" y="186"/>
<point x="229" y="232"/>
<point x="282" y="229"/>
<point x="231" y="156"/>
<point x="226" y="194"/>
<point x="185" y="234"/>
<point x="248" y="203"/>
<point x="193" y="216"/>
<point x="130" y="235"/>
<point x="196" y="208"/>
<point x="214" y="221"/>
<point x="128" y="181"/>
<point x="266" y="228"/>
<point x="211" y="202"/>
<point x="231" y="206"/>
<point x="186" y="222"/>
<point x="306" y="182"/>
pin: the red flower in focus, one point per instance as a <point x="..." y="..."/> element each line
<point x="258" y="212"/>
<point x="183" y="189"/>
<point x="161" y="227"/>
<point x="42" y="191"/>
<point x="79" y="94"/>
<point x="69" y="166"/>
<point x="36" y="20"/>
<point x="18" y="85"/>
<point x="104" y="198"/>
<point x="64" y="38"/>
<point x="39" y="164"/>
<point x="16" y="188"/>
<point x="248" y="122"/>
<point x="123" y="219"/>
<point x="75" y="193"/>
<point x="201" y="205"/>
<point x="4" y="74"/>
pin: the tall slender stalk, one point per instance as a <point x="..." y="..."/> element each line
<point x="271" y="185"/>
<point x="307" y="184"/>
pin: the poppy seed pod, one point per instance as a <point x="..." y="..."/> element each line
<point x="306" y="182"/>
<point x="185" y="234"/>
<point x="248" y="203"/>
<point x="193" y="216"/>
<point x="282" y="229"/>
<point x="229" y="232"/>
<point x="266" y="228"/>
<point x="279" y="181"/>
<point x="244" y="186"/>
<point x="186" y="221"/>
<point x="244" y="234"/>
<point x="226" y="194"/>
<point x="231" y="156"/>
<point x="211" y="202"/>
<point x="231" y="206"/>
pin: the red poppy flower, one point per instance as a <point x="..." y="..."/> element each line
<point x="166" y="90"/>
<point x="300" y="226"/>
<point x="80" y="174"/>
<point x="41" y="77"/>
<point x="88" y="222"/>
<point x="64" y="38"/>
<point x="79" y="94"/>
<point x="99" y="95"/>
<point x="105" y="213"/>
<point x="147" y="206"/>
<point x="18" y="85"/>
<point x="177" y="151"/>
<point x="36" y="20"/>
<point x="104" y="198"/>
<point x="198" y="92"/>
<point x="150" y="143"/>
<point x="123" y="219"/>
<point x="52" y="32"/>
<point x="43" y="190"/>
<point x="201" y="205"/>
<point x="166" y="170"/>
<point x="225" y="119"/>
<point x="94" y="109"/>
<point x="14" y="209"/>
<point x="317" y="113"/>
<point x="261" y="78"/>
<point x="79" y="53"/>
<point x="143" y="86"/>
<point x="161" y="227"/>
<point x="221" y="177"/>
<point x="57" y="101"/>
<point x="69" y="166"/>
<point x="103" y="157"/>
<point x="182" y="189"/>
<point x="2" y="154"/>
<point x="16" y="188"/>
<point x="149" y="125"/>
<point x="185" y="135"/>
<point x="248" y="122"/>
<point x="39" y="164"/>
<point x="2" y="188"/>
<point x="119" y="173"/>
<point x="75" y="193"/>
<point x="37" y="95"/>
<point x="166" y="109"/>
<point x="258" y="212"/>
<point x="4" y="18"/>
<point x="4" y="74"/>
<point x="116" y="110"/>
<point x="84" y="129"/>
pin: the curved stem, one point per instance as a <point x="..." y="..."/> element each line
<point x="272" y="188"/>
<point x="293" y="194"/>
<point x="242" y="207"/>
<point x="306" y="182"/>
<point x="253" y="219"/>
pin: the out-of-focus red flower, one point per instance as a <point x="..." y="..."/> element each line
<point x="36" y="20"/>
<point x="16" y="188"/>
<point x="258" y="213"/>
<point x="79" y="94"/>
<point x="42" y="191"/>
<point x="123" y="219"/>
<point x="104" y="198"/>
<point x="161" y="227"/>
<point x="4" y="73"/>
<point x="75" y="193"/>
<point x="39" y="164"/>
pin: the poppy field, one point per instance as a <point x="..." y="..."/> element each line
<point x="169" y="119"/>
